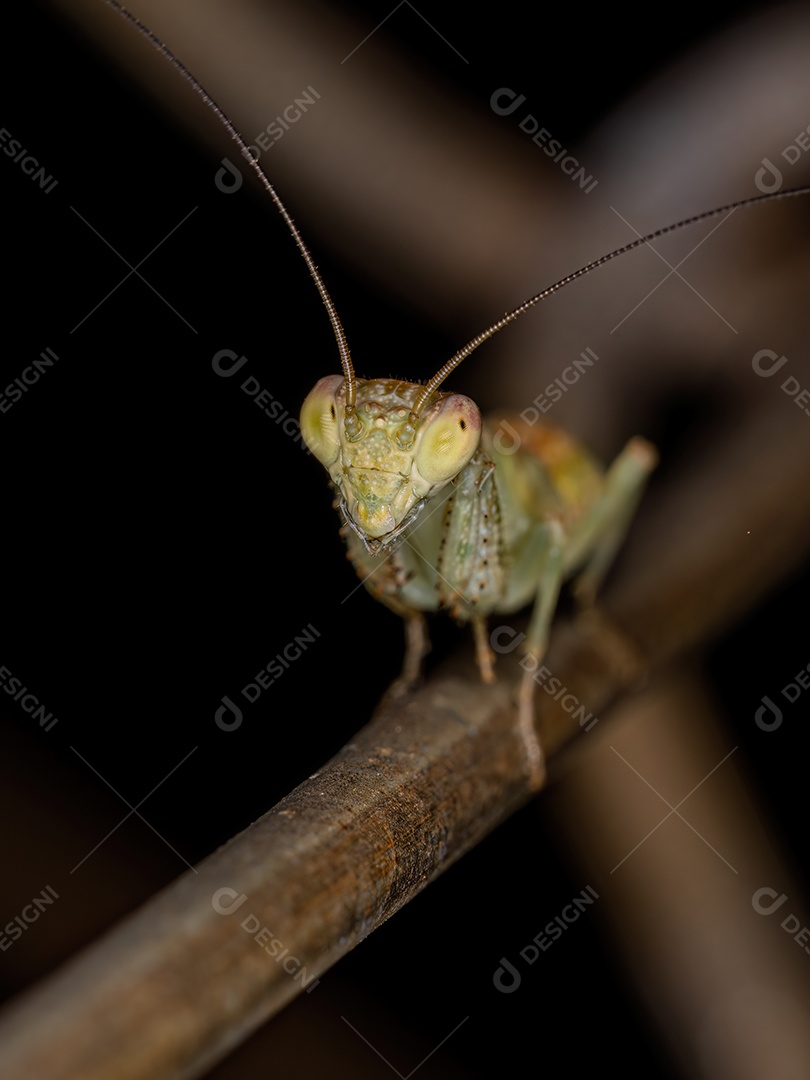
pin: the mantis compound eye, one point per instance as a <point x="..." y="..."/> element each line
<point x="449" y="439"/>
<point x="320" y="420"/>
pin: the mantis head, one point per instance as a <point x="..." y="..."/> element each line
<point x="391" y="451"/>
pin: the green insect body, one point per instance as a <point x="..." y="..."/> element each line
<point x="444" y="511"/>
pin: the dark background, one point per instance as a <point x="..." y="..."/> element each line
<point x="163" y="540"/>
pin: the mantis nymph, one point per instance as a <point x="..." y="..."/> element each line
<point x="443" y="510"/>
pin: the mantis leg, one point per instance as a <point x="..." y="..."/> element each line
<point x="483" y="653"/>
<point x="383" y="576"/>
<point x="417" y="646"/>
<point x="599" y="536"/>
<point x="592" y="544"/>
<point x="550" y="579"/>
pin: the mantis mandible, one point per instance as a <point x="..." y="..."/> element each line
<point x="443" y="510"/>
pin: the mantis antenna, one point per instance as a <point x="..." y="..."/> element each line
<point x="351" y="421"/>
<point x="515" y="313"/>
<point x="334" y="318"/>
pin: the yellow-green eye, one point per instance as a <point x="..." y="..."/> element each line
<point x="320" y="420"/>
<point x="449" y="439"/>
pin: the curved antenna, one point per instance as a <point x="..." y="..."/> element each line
<point x="521" y="309"/>
<point x="334" y="318"/>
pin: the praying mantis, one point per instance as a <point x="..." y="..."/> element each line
<point x="441" y="509"/>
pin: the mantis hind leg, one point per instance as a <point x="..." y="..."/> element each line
<point x="550" y="580"/>
<point x="596" y="540"/>
<point x="592" y="545"/>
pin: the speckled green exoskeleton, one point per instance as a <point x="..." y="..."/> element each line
<point x="445" y="511"/>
